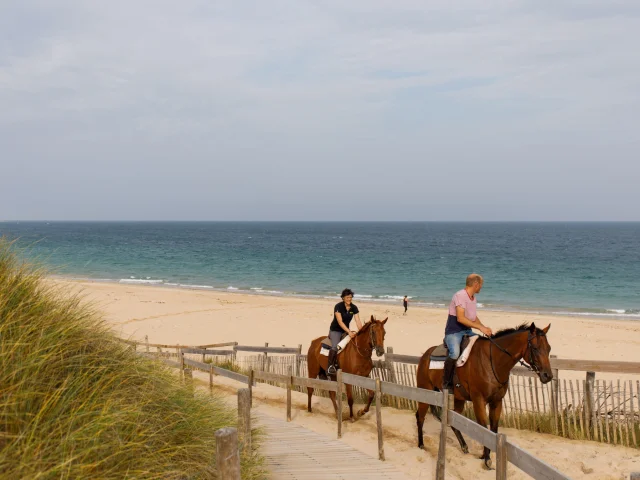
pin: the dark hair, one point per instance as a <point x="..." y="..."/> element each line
<point x="346" y="292"/>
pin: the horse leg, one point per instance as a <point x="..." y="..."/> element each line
<point x="495" y="409"/>
<point x="350" y="401"/>
<point x="480" y="409"/>
<point x="333" y="400"/>
<point x="310" y="393"/>
<point x="372" y="394"/>
<point x="458" y="407"/>
<point x="420" y="414"/>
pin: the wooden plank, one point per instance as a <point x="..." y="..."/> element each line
<point x="359" y="381"/>
<point x="442" y="446"/>
<point x="595" y="365"/>
<point x="326" y="385"/>
<point x="468" y="427"/>
<point x="420" y="395"/>
<point x="215" y="345"/>
<point x="229" y="374"/>
<point x="196" y="364"/>
<point x="501" y="457"/>
<point x="289" y="394"/>
<point x="396" y="357"/>
<point x="600" y="428"/>
<point x="531" y="465"/>
<point x="270" y="377"/>
<point x="632" y="414"/>
<point x="283" y="350"/>
<point x="204" y="351"/>
<point x="379" y="420"/>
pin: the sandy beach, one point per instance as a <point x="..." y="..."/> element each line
<point x="172" y="316"/>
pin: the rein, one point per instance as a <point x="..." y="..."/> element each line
<point x="372" y="344"/>
<point x="532" y="367"/>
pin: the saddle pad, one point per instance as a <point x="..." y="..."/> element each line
<point x="439" y="364"/>
<point x="442" y="350"/>
<point x="325" y="345"/>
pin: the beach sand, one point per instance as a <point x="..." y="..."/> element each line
<point x="195" y="317"/>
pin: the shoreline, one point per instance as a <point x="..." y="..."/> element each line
<point x="601" y="314"/>
<point x="194" y="317"/>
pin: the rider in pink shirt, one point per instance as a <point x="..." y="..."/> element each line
<point x="462" y="318"/>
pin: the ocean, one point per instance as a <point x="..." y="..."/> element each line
<point x="586" y="269"/>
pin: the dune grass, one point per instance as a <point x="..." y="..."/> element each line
<point x="77" y="403"/>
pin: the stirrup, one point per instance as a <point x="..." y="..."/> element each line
<point x="332" y="370"/>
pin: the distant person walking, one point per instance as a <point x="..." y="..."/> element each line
<point x="405" y="302"/>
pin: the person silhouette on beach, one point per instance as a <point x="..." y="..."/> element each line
<point x="405" y="302"/>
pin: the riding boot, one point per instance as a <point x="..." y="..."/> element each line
<point x="332" y="362"/>
<point x="449" y="370"/>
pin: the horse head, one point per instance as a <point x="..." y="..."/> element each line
<point x="537" y="352"/>
<point x="376" y="334"/>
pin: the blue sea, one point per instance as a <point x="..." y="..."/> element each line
<point x="590" y="269"/>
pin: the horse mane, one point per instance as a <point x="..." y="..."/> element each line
<point x="364" y="327"/>
<point x="508" y="331"/>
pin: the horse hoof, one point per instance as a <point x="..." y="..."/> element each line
<point x="421" y="446"/>
<point x="487" y="464"/>
<point x="465" y="449"/>
<point x="361" y="413"/>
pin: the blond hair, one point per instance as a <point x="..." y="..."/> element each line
<point x="473" y="279"/>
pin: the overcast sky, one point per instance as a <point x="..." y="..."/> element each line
<point x="320" y="110"/>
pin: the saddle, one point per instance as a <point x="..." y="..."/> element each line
<point x="325" y="345"/>
<point x="441" y="352"/>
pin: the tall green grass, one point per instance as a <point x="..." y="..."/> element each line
<point x="77" y="403"/>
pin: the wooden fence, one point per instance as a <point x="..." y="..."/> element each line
<point x="506" y="452"/>
<point x="594" y="409"/>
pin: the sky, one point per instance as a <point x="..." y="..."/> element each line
<point x="319" y="110"/>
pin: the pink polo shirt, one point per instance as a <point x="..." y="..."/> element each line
<point x="462" y="299"/>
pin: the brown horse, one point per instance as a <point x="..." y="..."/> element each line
<point x="484" y="378"/>
<point x="355" y="358"/>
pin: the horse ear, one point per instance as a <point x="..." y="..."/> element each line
<point x="373" y="319"/>
<point x="546" y="329"/>
<point x="532" y="328"/>
<point x="385" y="320"/>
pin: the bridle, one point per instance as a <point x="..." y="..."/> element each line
<point x="372" y="342"/>
<point x="531" y="366"/>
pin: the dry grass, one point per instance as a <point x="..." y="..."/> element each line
<point x="76" y="403"/>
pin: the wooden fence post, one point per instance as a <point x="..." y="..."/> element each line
<point x="244" y="418"/>
<point x="444" y="420"/>
<point x="211" y="377"/>
<point x="589" y="407"/>
<point x="390" y="366"/>
<point x="339" y="398"/>
<point x="298" y="360"/>
<point x="501" y="457"/>
<point x="266" y="358"/>
<point x="555" y="393"/>
<point x="146" y="342"/>
<point x="227" y="457"/>
<point x="289" y="385"/>
<point x="181" y="360"/>
<point x="250" y="382"/>
<point x="379" y="419"/>
<point x="233" y="355"/>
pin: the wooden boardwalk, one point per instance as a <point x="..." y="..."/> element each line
<point x="293" y="452"/>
